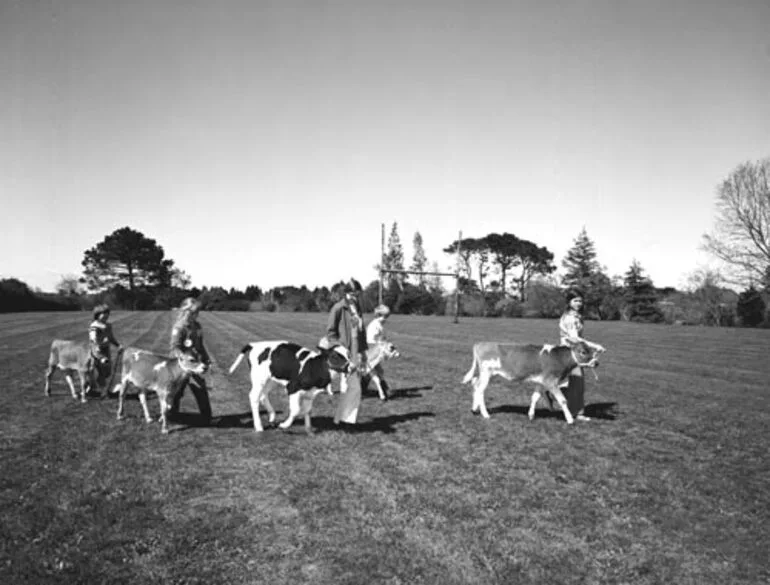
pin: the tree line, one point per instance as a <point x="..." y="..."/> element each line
<point x="499" y="275"/>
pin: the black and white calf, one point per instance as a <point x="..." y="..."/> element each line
<point x="303" y="372"/>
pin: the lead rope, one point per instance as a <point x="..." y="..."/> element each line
<point x="590" y="364"/>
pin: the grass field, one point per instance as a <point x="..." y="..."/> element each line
<point x="670" y="483"/>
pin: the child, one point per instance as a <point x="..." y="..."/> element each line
<point x="100" y="337"/>
<point x="375" y="336"/>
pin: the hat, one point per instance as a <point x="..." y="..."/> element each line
<point x="190" y="304"/>
<point x="353" y="286"/>
<point x="574" y="294"/>
<point x="99" y="309"/>
<point x="381" y="311"/>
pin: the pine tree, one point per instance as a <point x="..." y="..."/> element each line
<point x="580" y="263"/>
<point x="419" y="260"/>
<point x="394" y="257"/>
<point x="641" y="302"/>
<point x="584" y="273"/>
<point x="751" y="307"/>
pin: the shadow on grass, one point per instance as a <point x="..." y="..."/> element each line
<point x="597" y="410"/>
<point x="381" y="424"/>
<point x="235" y="421"/>
<point x="398" y="393"/>
<point x="603" y="410"/>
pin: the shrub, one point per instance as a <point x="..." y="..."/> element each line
<point x="509" y="307"/>
<point x="751" y="307"/>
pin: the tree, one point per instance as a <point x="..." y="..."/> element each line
<point x="741" y="234"/>
<point x="69" y="286"/>
<point x="641" y="302"/>
<point x="419" y="259"/>
<point x="478" y="248"/>
<point x="532" y="260"/>
<point x="435" y="285"/>
<point x="584" y="273"/>
<point x="178" y="278"/>
<point x="544" y="299"/>
<point x="253" y="292"/>
<point x="394" y="257"/>
<point x="127" y="258"/>
<point x="751" y="307"/>
<point x="505" y="249"/>
<point x="580" y="262"/>
<point x="709" y="297"/>
<point x="464" y="256"/>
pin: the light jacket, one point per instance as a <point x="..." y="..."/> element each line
<point x="100" y="337"/>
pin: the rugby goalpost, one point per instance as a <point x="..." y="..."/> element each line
<point x="455" y="274"/>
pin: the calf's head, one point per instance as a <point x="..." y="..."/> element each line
<point x="338" y="359"/>
<point x="192" y="365"/>
<point x="587" y="355"/>
<point x="390" y="350"/>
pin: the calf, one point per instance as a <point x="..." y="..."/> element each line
<point x="546" y="365"/>
<point x="303" y="372"/>
<point x="70" y="356"/>
<point x="376" y="354"/>
<point x="162" y="374"/>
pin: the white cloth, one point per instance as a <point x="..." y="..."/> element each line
<point x="349" y="400"/>
<point x="375" y="332"/>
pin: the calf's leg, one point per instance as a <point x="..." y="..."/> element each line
<point x="269" y="407"/>
<point x="306" y="405"/>
<point x="294" y="410"/>
<point x="143" y="402"/>
<point x="68" y="377"/>
<point x="48" y="375"/>
<point x="120" y="388"/>
<point x="478" y="394"/>
<point x="258" y="388"/>
<point x="377" y="376"/>
<point x="83" y="387"/>
<point x="164" y="408"/>
<point x="557" y="394"/>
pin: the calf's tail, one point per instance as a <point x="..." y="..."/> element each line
<point x="237" y="362"/>
<point x="469" y="376"/>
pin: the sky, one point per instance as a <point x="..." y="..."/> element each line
<point x="267" y="142"/>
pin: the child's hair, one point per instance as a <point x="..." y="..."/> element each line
<point x="185" y="311"/>
<point x="381" y="311"/>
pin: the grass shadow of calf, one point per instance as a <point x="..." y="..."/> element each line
<point x="234" y="421"/>
<point x="382" y="424"/>
<point x="399" y="393"/>
<point x="597" y="410"/>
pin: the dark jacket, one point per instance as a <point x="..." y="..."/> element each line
<point x="187" y="339"/>
<point x="340" y="328"/>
